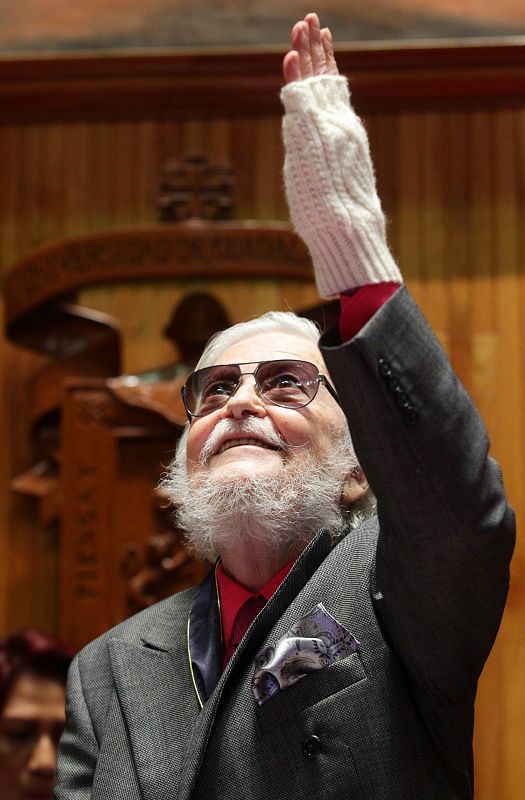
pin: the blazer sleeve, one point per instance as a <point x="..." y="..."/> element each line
<point x="78" y="746"/>
<point x="446" y="529"/>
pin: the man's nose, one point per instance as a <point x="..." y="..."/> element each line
<point x="43" y="758"/>
<point x="245" y="401"/>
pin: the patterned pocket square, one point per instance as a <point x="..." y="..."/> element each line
<point x="314" y="642"/>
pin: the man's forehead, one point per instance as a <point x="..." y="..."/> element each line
<point x="271" y="345"/>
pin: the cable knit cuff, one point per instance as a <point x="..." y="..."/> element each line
<point x="330" y="187"/>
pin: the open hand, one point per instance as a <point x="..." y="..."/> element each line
<point x="312" y="53"/>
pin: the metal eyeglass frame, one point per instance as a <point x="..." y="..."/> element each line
<point x="320" y="379"/>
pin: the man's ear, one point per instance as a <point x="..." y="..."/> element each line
<point x="354" y="488"/>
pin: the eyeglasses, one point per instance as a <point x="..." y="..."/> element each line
<point x="285" y="383"/>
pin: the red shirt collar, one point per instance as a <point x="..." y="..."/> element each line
<point x="233" y="595"/>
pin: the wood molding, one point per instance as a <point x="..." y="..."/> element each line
<point x="229" y="83"/>
<point x="194" y="249"/>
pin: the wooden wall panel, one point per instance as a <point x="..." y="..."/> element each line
<point x="452" y="179"/>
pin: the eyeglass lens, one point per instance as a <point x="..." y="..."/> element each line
<point x="291" y="384"/>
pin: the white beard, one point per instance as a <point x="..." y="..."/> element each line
<point x="281" y="511"/>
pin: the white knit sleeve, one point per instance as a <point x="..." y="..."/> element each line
<point x="330" y="186"/>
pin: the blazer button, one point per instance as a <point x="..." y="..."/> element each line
<point x="311" y="746"/>
<point x="402" y="400"/>
<point x="384" y="367"/>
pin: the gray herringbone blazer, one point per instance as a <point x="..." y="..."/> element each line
<point x="422" y="587"/>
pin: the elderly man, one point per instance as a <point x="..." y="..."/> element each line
<point x="333" y="651"/>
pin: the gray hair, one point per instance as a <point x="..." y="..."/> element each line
<point x="284" y="321"/>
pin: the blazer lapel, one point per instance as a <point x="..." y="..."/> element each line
<point x="158" y="700"/>
<point x="205" y="637"/>
<point x="310" y="559"/>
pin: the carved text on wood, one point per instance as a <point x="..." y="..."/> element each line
<point x="86" y="543"/>
<point x="189" y="250"/>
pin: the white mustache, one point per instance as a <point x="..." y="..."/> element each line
<point x="251" y="426"/>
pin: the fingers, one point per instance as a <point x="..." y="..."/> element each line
<point x="317" y="53"/>
<point x="291" y="69"/>
<point x="312" y="52"/>
<point x="328" y="49"/>
<point x="302" y="36"/>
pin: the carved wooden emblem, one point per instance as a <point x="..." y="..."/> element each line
<point x="195" y="187"/>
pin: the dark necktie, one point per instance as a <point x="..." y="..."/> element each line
<point x="245" y="616"/>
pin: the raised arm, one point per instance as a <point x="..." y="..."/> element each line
<point x="329" y="177"/>
<point x="446" y="528"/>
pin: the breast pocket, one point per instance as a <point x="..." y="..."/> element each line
<point x="314" y="736"/>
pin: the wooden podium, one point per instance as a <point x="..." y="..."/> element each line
<point x="119" y="549"/>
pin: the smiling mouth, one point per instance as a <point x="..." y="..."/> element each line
<point x="229" y="443"/>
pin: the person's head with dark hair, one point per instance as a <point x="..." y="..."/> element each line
<point x="33" y="672"/>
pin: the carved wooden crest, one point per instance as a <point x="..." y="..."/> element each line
<point x="195" y="187"/>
